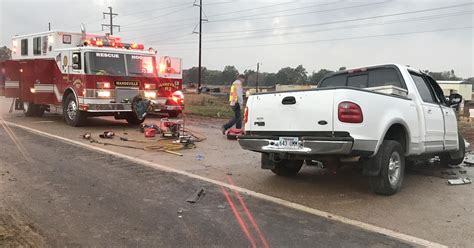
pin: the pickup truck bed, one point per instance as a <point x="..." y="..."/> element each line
<point x="366" y="114"/>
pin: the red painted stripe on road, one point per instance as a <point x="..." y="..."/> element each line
<point x="249" y="214"/>
<point x="239" y="218"/>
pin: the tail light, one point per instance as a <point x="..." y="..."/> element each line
<point x="178" y="97"/>
<point x="246" y="115"/>
<point x="349" y="112"/>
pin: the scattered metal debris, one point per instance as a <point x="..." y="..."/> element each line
<point x="462" y="171"/>
<point x="196" y="196"/>
<point x="459" y="181"/>
<point x="221" y="206"/>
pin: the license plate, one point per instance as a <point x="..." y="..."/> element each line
<point x="288" y="142"/>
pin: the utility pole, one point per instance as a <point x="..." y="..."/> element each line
<point x="200" y="36"/>
<point x="111" y="26"/>
<point x="49" y="26"/>
<point x="256" y="82"/>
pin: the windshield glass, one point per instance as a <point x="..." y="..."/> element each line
<point x="102" y="63"/>
<point x="140" y="65"/>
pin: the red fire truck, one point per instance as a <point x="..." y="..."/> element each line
<point x="82" y="75"/>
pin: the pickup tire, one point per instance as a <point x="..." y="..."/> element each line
<point x="287" y="167"/>
<point x="392" y="168"/>
<point x="454" y="158"/>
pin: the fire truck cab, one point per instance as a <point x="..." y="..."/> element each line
<point x="82" y="75"/>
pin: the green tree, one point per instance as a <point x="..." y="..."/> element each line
<point x="316" y="76"/>
<point x="229" y="74"/>
<point x="191" y="75"/>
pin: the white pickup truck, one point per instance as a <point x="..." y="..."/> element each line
<point x="382" y="116"/>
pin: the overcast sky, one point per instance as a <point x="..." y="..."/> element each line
<point x="435" y="35"/>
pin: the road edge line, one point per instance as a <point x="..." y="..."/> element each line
<point x="296" y="206"/>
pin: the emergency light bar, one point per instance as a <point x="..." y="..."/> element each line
<point x="113" y="43"/>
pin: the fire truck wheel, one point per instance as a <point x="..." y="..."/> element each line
<point x="71" y="113"/>
<point x="32" y="109"/>
<point x="132" y="119"/>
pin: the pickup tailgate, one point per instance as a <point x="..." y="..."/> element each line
<point x="291" y="113"/>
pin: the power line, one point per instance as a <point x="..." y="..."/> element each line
<point x="155" y="17"/>
<point x="258" y="15"/>
<point x="239" y="37"/>
<point x="160" y="8"/>
<point x="347" y="20"/>
<point x="192" y="18"/>
<point x="335" y="39"/>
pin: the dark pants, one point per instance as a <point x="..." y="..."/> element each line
<point x="237" y="119"/>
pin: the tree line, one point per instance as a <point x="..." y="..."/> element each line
<point x="287" y="75"/>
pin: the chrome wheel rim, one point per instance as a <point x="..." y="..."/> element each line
<point x="394" y="168"/>
<point x="71" y="110"/>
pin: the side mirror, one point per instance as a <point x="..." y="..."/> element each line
<point x="454" y="99"/>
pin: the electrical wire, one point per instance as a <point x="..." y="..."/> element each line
<point x="245" y="18"/>
<point x="152" y="10"/>
<point x="329" y="40"/>
<point x="259" y="36"/>
<point x="347" y="20"/>
<point x="155" y="17"/>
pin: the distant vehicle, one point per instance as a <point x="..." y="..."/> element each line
<point x="82" y="75"/>
<point x="380" y="115"/>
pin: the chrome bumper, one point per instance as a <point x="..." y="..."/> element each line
<point x="311" y="146"/>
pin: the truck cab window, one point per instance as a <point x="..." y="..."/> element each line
<point x="358" y="81"/>
<point x="425" y="91"/>
<point x="24" y="47"/>
<point x="37" y="46"/>
<point x="383" y="77"/>
<point x="76" y="61"/>
<point x="437" y="90"/>
<point x="333" y="81"/>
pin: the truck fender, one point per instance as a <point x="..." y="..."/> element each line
<point x="391" y="123"/>
<point x="371" y="166"/>
<point x="66" y="92"/>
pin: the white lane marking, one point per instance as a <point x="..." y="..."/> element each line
<point x="362" y="225"/>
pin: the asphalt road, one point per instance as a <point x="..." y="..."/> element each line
<point x="72" y="196"/>
<point x="426" y="207"/>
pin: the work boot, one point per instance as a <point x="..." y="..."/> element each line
<point x="223" y="130"/>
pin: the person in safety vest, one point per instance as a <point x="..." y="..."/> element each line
<point x="236" y="100"/>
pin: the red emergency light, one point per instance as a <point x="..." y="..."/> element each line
<point x="113" y="43"/>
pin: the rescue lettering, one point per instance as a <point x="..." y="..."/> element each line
<point x="107" y="55"/>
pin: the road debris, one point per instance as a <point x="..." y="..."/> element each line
<point x="462" y="171"/>
<point x="459" y="181"/>
<point x="196" y="196"/>
<point x="199" y="157"/>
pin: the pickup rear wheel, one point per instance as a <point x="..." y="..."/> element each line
<point x="287" y="168"/>
<point x="454" y="158"/>
<point x="392" y="168"/>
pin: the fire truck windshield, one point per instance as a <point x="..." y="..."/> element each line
<point x="140" y="65"/>
<point x="113" y="64"/>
